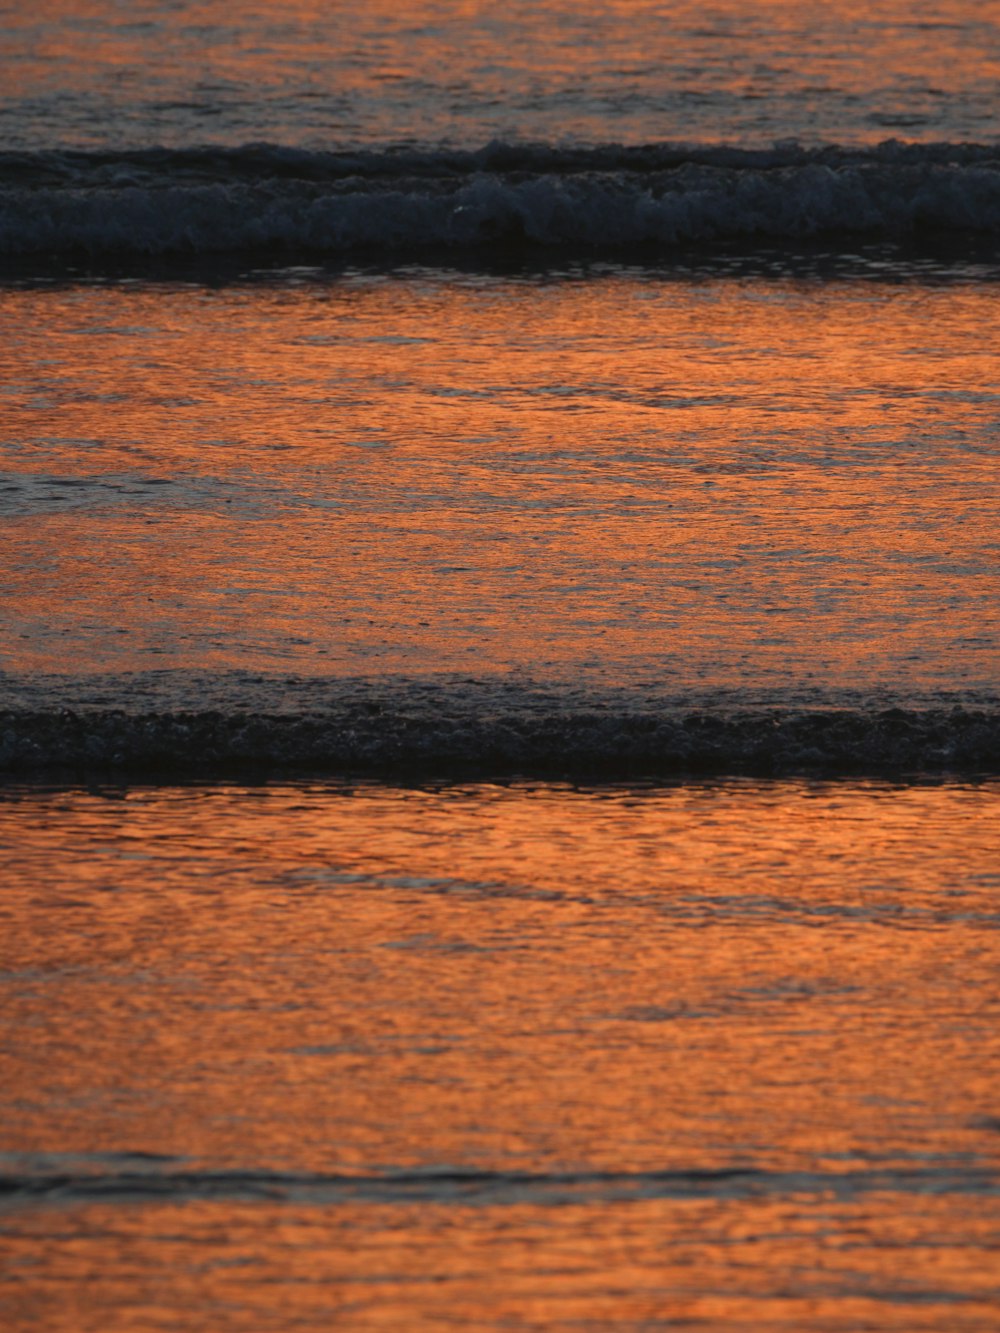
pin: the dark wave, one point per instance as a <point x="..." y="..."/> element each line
<point x="457" y="1185"/>
<point x="161" y="202"/>
<point x="464" y="733"/>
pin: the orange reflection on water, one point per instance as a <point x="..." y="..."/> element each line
<point x="800" y="1263"/>
<point x="658" y="977"/>
<point x="736" y="481"/>
<point x="777" y="978"/>
<point x="631" y="70"/>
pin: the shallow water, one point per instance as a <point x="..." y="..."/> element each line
<point x="497" y="1057"/>
<point x="634" y="71"/>
<point x="620" y="474"/>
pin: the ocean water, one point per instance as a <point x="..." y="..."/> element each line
<point x="499" y="666"/>
<point x="715" y="1055"/>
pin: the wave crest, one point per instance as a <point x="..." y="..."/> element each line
<point x="160" y="202"/>
<point x="457" y="735"/>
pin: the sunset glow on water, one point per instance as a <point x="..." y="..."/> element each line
<point x="736" y="481"/>
<point x="434" y="71"/>
<point x="374" y="1055"/>
<point x="499" y="667"/>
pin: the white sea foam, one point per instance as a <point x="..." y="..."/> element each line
<point x="161" y="202"/>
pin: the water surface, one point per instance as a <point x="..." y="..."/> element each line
<point x="634" y="71"/>
<point x="437" y="390"/>
<point x="518" y="1056"/>
<point x="619" y="475"/>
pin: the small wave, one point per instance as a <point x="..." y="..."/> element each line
<point x="161" y="202"/>
<point x="462" y="734"/>
<point x="470" y="1186"/>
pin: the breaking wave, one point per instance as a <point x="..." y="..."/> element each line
<point x="159" y="202"/>
<point x="458" y="730"/>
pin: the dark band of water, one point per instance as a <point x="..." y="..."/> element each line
<point x="486" y="1187"/>
<point x="215" y="201"/>
<point x="459" y="735"/>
